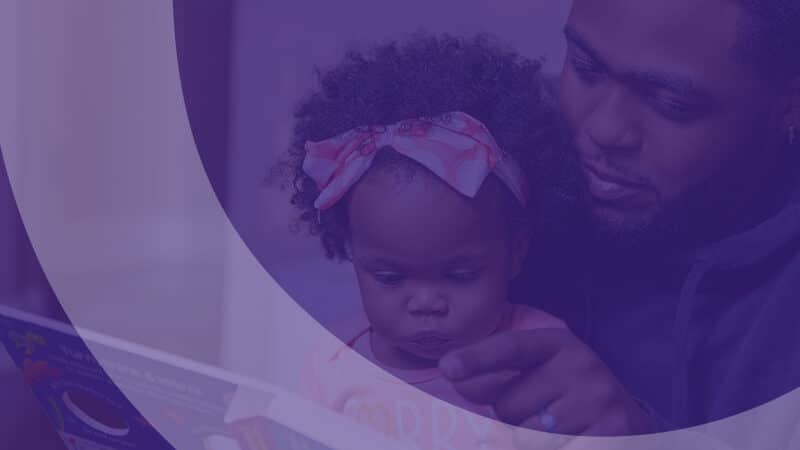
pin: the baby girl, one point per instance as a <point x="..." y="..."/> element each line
<point x="415" y="163"/>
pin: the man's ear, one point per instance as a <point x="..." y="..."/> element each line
<point x="519" y="251"/>
<point x="791" y="113"/>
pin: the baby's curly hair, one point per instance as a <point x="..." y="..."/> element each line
<point x="426" y="76"/>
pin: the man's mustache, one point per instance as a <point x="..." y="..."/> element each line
<point x="582" y="154"/>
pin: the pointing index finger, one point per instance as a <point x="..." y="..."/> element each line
<point x="512" y="350"/>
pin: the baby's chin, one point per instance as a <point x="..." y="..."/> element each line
<point x="432" y="349"/>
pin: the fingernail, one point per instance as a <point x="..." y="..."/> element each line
<point x="451" y="367"/>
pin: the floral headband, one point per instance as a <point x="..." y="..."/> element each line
<point x="455" y="146"/>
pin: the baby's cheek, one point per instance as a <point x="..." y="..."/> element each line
<point x="481" y="311"/>
<point x="383" y="311"/>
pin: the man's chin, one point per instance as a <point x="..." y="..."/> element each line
<point x="626" y="229"/>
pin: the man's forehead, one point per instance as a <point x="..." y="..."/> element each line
<point x="676" y="40"/>
<point x="663" y="15"/>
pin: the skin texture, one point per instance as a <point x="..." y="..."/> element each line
<point x="433" y="266"/>
<point x="660" y="105"/>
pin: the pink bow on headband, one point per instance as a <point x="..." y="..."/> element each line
<point x="456" y="147"/>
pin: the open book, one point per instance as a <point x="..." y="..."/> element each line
<point x="104" y="393"/>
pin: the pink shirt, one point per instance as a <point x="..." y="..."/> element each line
<point x="396" y="402"/>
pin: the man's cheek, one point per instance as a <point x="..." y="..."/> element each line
<point x="694" y="170"/>
<point x="679" y="160"/>
<point x="569" y="99"/>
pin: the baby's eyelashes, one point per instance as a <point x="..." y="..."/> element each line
<point x="463" y="275"/>
<point x="394" y="278"/>
<point x="388" y="277"/>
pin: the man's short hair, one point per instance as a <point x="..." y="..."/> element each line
<point x="770" y="37"/>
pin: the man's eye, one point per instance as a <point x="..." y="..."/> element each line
<point x="587" y="69"/>
<point x="674" y="109"/>
<point x="388" y="278"/>
<point x="463" y="275"/>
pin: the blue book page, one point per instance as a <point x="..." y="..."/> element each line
<point x="90" y="411"/>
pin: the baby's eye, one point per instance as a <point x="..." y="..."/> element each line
<point x="388" y="277"/>
<point x="463" y="275"/>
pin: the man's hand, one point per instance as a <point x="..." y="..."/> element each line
<point x="546" y="380"/>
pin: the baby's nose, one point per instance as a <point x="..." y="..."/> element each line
<point x="427" y="301"/>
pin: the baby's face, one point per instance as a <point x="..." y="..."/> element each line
<point x="433" y="266"/>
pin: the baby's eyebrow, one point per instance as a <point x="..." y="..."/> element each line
<point x="383" y="262"/>
<point x="461" y="259"/>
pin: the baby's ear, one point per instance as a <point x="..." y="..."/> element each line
<point x="519" y="249"/>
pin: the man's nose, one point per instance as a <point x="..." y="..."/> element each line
<point x="426" y="300"/>
<point x="613" y="125"/>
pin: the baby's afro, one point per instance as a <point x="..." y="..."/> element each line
<point x="425" y="76"/>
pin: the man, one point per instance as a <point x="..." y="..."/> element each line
<point x="684" y="115"/>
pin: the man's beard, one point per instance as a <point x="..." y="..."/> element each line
<point x="744" y="188"/>
<point x="723" y="204"/>
<point x="674" y="224"/>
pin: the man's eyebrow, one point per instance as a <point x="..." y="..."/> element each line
<point x="574" y="38"/>
<point x="648" y="79"/>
